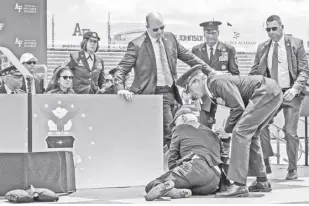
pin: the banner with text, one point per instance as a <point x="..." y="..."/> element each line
<point x="23" y="27"/>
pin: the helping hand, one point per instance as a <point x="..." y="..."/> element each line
<point x="126" y="93"/>
<point x="290" y="94"/>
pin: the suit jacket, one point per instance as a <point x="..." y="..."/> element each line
<point x="86" y="80"/>
<point x="187" y="139"/>
<point x="236" y="91"/>
<point x="3" y="90"/>
<point x="297" y="61"/>
<point x="224" y="60"/>
<point x="140" y="56"/>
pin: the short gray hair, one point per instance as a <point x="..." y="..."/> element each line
<point x="274" y="18"/>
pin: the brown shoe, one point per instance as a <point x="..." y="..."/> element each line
<point x="260" y="186"/>
<point x="292" y="175"/>
<point x="234" y="191"/>
<point x="159" y="190"/>
<point x="178" y="193"/>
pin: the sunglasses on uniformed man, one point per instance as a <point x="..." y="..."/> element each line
<point x="67" y="77"/>
<point x="31" y="62"/>
<point x="210" y="31"/>
<point x="155" y="30"/>
<point x="271" y="28"/>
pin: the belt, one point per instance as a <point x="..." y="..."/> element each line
<point x="215" y="168"/>
<point x="162" y="89"/>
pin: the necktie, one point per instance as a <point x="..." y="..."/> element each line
<point x="211" y="55"/>
<point x="90" y="57"/>
<point x="165" y="67"/>
<point x="274" y="69"/>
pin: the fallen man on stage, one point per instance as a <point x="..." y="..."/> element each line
<point x="253" y="101"/>
<point x="194" y="161"/>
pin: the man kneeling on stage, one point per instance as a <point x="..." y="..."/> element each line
<point x="193" y="161"/>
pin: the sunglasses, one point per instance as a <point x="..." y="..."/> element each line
<point x="67" y="77"/>
<point x="31" y="62"/>
<point x="271" y="28"/>
<point x="210" y="31"/>
<point x="155" y="30"/>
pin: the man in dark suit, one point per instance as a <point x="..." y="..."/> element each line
<point x="253" y="100"/>
<point x="218" y="55"/>
<point x="29" y="61"/>
<point x="283" y="59"/>
<point x="12" y="81"/>
<point x="154" y="56"/>
<point x="194" y="160"/>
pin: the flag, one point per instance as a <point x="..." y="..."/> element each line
<point x="236" y="35"/>
<point x="228" y="24"/>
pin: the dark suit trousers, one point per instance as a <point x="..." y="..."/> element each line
<point x="291" y="112"/>
<point x="169" y="104"/>
<point x="246" y="155"/>
<point x="198" y="176"/>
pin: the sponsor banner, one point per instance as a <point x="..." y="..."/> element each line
<point x="23" y="27"/>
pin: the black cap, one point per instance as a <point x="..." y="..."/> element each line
<point x="211" y="25"/>
<point x="184" y="79"/>
<point x="12" y="70"/>
<point x="91" y="34"/>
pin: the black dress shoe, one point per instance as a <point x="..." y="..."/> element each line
<point x="224" y="185"/>
<point x="292" y="175"/>
<point x="260" y="187"/>
<point x="234" y="191"/>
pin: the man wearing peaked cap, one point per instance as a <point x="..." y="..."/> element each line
<point x="253" y="100"/>
<point x="12" y="81"/>
<point x="218" y="55"/>
<point x="194" y="161"/>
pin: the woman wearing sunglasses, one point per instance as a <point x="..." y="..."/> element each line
<point x="61" y="82"/>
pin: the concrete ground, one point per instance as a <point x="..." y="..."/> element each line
<point x="296" y="191"/>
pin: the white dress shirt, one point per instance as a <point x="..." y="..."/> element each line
<point x="89" y="60"/>
<point x="283" y="66"/>
<point x="160" y="74"/>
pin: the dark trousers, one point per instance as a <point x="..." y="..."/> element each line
<point x="169" y="107"/>
<point x="197" y="176"/>
<point x="291" y="111"/>
<point x="246" y="155"/>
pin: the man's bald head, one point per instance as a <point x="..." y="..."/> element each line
<point x="155" y="24"/>
<point x="153" y="18"/>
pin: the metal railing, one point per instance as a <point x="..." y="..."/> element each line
<point x="280" y="139"/>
